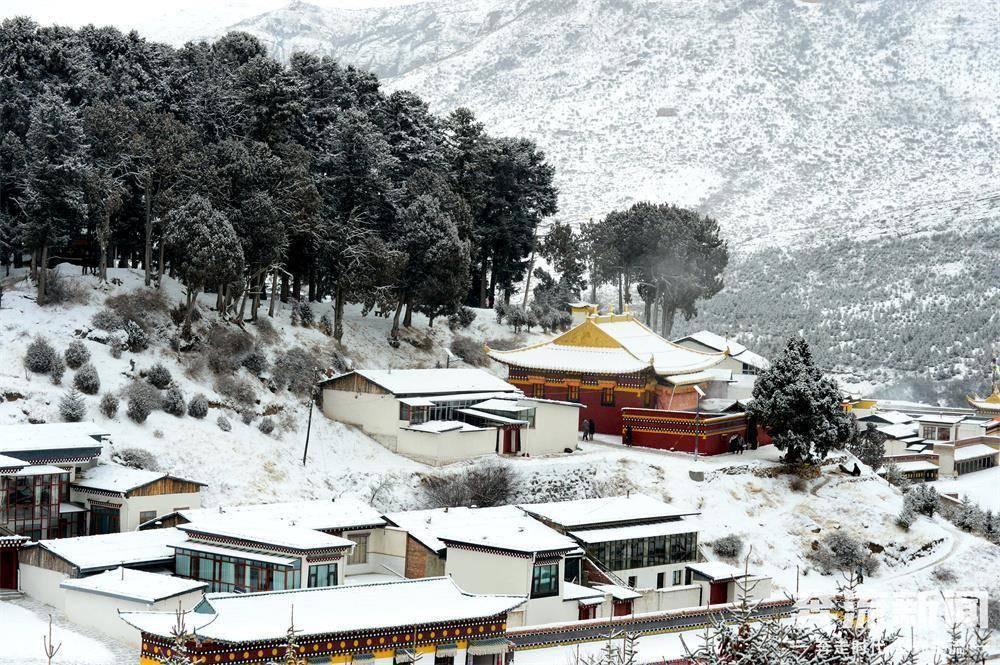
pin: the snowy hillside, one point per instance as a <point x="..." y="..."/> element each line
<point x="779" y="118"/>
<point x="743" y="495"/>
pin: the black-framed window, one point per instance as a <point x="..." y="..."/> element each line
<point x="29" y="505"/>
<point x="571" y="569"/>
<point x="607" y="396"/>
<point x="633" y="581"/>
<point x="661" y="580"/>
<point x="677" y="578"/>
<point x="104" y="520"/>
<point x="644" y="552"/>
<point x="146" y="515"/>
<point x="545" y="580"/>
<point x="323" y="575"/>
<point x="404" y="412"/>
<point x="230" y="573"/>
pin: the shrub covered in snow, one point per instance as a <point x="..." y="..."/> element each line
<point x="470" y="351"/>
<point x="198" y="406"/>
<point x="306" y="316"/>
<point x="265" y="330"/>
<point x="58" y="369"/>
<point x="107" y="320"/>
<point x="840" y="552"/>
<point x="922" y="499"/>
<point x="296" y="369"/>
<point x="255" y="362"/>
<point x="238" y="390"/>
<point x="224" y="424"/>
<point x="86" y="380"/>
<point x="72" y="408"/>
<point x="894" y="475"/>
<point x="143" y="399"/>
<point x="159" y="376"/>
<point x="247" y="416"/>
<point x="76" y="354"/>
<point x="39" y="355"/>
<point x="266" y="425"/>
<point x="462" y="318"/>
<point x="136" y="458"/>
<point x="173" y="401"/>
<point x="326" y="324"/>
<point x="137" y="338"/>
<point x="906" y="518"/>
<point x="944" y="574"/>
<point x="485" y="485"/>
<point x="728" y="547"/>
<point x="109" y="405"/>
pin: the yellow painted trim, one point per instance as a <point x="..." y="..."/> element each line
<point x="145" y="660"/>
<point x="588" y="334"/>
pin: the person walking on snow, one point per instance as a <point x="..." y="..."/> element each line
<point x="628" y="435"/>
<point x="586" y="428"/>
<point x="591" y="428"/>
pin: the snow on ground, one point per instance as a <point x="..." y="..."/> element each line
<point x="982" y="487"/>
<point x="24" y="622"/>
<point x="740" y="494"/>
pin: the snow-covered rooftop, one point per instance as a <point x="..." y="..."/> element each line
<point x="111" y="550"/>
<point x="720" y="343"/>
<point x="38" y="470"/>
<point x="900" y="431"/>
<point x="913" y="465"/>
<point x="618" y="592"/>
<point x="704" y="376"/>
<point x="572" y="591"/>
<point x="116" y="478"/>
<point x="135" y="585"/>
<point x="11" y="462"/>
<point x="442" y="426"/>
<point x="274" y="534"/>
<point x="343" y="514"/>
<point x="606" y="510"/>
<point x="717" y="570"/>
<point x="435" y="380"/>
<point x="501" y="527"/>
<point x="973" y="451"/>
<point x="636" y="531"/>
<point x="330" y="610"/>
<point x="27" y="438"/>
<point x="892" y="417"/>
<point x="941" y="418"/>
<point x="614" y="344"/>
<point x="281" y="560"/>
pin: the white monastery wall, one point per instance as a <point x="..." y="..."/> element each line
<point x="376" y="415"/>
<point x="42" y="584"/>
<point x="100" y="612"/>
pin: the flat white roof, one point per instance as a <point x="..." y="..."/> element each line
<point x="913" y="465"/>
<point x="25" y="437"/>
<point x="435" y="381"/>
<point x="135" y="585"/>
<point x="717" y="570"/>
<point x="253" y="617"/>
<point x="343" y="514"/>
<point x="940" y="418"/>
<point x="573" y="591"/>
<point x="501" y="527"/>
<point x="11" y="462"/>
<point x="618" y="592"/>
<point x="606" y="510"/>
<point x="492" y="417"/>
<point x="114" y="549"/>
<point x="973" y="451"/>
<point x="711" y="374"/>
<point x="637" y="531"/>
<point x="116" y="478"/>
<point x="39" y="470"/>
<point x="442" y="426"/>
<point x="892" y="417"/>
<point x="275" y="534"/>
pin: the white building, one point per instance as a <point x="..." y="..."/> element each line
<point x="46" y="564"/>
<point x="94" y="602"/>
<point x="502" y="550"/>
<point x="427" y="622"/>
<point x="379" y="549"/>
<point x="741" y="359"/>
<point x="120" y="498"/>
<point x="440" y="416"/>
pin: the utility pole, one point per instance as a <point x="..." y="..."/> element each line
<point x="312" y="398"/>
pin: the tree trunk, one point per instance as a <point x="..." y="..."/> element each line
<point x="531" y="265"/>
<point x="593" y="284"/>
<point x="284" y="287"/>
<point x="667" y="320"/>
<point x="102" y="238"/>
<point x="258" y="289"/>
<point x="273" y="295"/>
<point x="312" y="286"/>
<point x="160" y="263"/>
<point x="43" y="273"/>
<point x="218" y="298"/>
<point x="148" y="246"/>
<point x="408" y="316"/>
<point x="482" y="282"/>
<point x="192" y="298"/>
<point x="394" y="333"/>
<point x="621" y="302"/>
<point x="34" y="265"/>
<point x="493" y="287"/>
<point x="338" y="314"/>
<point x="296" y="287"/>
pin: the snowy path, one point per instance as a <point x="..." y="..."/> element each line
<point x="23" y="622"/>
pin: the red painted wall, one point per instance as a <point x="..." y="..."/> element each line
<point x="713" y="438"/>
<point x="608" y="419"/>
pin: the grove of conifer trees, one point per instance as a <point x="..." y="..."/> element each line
<point x="246" y="177"/>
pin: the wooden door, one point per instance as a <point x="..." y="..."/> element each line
<point x="8" y="568"/>
<point x="717" y="593"/>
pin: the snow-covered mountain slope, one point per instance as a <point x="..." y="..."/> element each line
<point x="781" y="118"/>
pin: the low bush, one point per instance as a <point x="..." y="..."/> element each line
<point x="59" y="290"/>
<point x="239" y="391"/>
<point x="159" y="376"/>
<point x="136" y="458"/>
<point x="944" y="574"/>
<point x="138" y="340"/>
<point x="840" y="552"/>
<point x="266" y="425"/>
<point x="922" y="499"/>
<point x="489" y="484"/>
<point x="325" y="325"/>
<point x="729" y="547"/>
<point x="76" y="354"/>
<point x="462" y="318"/>
<point x="72" y="408"/>
<point x="306" y="316"/>
<point x="198" y="406"/>
<point x="57" y="370"/>
<point x="247" y="416"/>
<point x="224" y="424"/>
<point x="144" y="307"/>
<point x="906" y="518"/>
<point x="255" y="362"/>
<point x="470" y="351"/>
<point x="265" y="330"/>
<point x="39" y="355"/>
<point x="297" y="370"/>
<point x="143" y="399"/>
<point x="109" y="405"/>
<point x="108" y="320"/>
<point x="87" y="380"/>
<point x="173" y="402"/>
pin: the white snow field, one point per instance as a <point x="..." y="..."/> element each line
<point x="24" y="622"/>
<point x="738" y="495"/>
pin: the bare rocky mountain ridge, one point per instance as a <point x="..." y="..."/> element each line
<point x="786" y="120"/>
